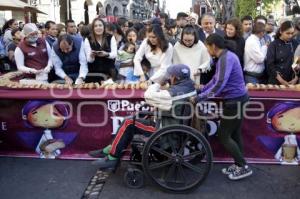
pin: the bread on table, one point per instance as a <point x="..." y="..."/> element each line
<point x="97" y="85"/>
<point x="291" y="87"/>
<point x="144" y="85"/>
<point x="91" y="85"/>
<point x="283" y="87"/>
<point x="251" y="86"/>
<point x="263" y="86"/>
<point x="60" y="86"/>
<point x="277" y="87"/>
<point x="114" y="86"/>
<point x="137" y="86"/>
<point x="121" y="86"/>
<point x="126" y="86"/>
<point x="270" y="86"/>
<point x="7" y="80"/>
<point x="131" y="86"/>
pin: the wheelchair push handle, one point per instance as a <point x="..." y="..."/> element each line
<point x="142" y="113"/>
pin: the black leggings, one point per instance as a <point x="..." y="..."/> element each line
<point x="229" y="132"/>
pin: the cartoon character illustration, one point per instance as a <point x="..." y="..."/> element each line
<point x="284" y="118"/>
<point x="46" y="116"/>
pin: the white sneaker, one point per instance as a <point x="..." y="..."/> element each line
<point x="229" y="170"/>
<point x="240" y="173"/>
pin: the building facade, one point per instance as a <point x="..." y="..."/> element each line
<point x="85" y="10"/>
<point x="141" y="9"/>
<point x="201" y="7"/>
<point x="79" y="10"/>
<point x="116" y="8"/>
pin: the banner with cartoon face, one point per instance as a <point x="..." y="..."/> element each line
<point x="68" y="129"/>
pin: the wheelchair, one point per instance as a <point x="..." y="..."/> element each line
<point x="176" y="158"/>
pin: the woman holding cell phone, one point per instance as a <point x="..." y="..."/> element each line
<point x="158" y="51"/>
<point x="101" y="51"/>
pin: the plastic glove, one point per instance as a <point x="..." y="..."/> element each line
<point x="79" y="80"/>
<point x="34" y="71"/>
<point x="47" y="69"/>
<point x="68" y="80"/>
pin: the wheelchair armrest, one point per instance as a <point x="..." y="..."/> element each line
<point x="144" y="113"/>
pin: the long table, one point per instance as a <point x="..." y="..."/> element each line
<point x="93" y="117"/>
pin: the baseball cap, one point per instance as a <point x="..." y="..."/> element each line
<point x="29" y="28"/>
<point x="180" y="70"/>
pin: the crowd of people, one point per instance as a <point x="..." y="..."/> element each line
<point x="187" y="50"/>
<point x="127" y="52"/>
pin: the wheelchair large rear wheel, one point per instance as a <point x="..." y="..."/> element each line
<point x="177" y="158"/>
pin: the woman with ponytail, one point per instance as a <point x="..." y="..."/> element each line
<point x="280" y="56"/>
<point x="228" y="83"/>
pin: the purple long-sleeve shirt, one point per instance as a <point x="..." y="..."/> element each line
<point x="228" y="81"/>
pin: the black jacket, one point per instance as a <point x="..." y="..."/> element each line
<point x="239" y="47"/>
<point x="202" y="34"/>
<point x="206" y="77"/>
<point x="101" y="64"/>
<point x="181" y="106"/>
<point x="280" y="58"/>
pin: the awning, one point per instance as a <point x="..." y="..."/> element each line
<point x="34" y="10"/>
<point x="16" y="5"/>
<point x="89" y="2"/>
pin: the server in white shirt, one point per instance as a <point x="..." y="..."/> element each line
<point x="255" y="55"/>
<point x="159" y="53"/>
<point x="69" y="60"/>
<point x="32" y="54"/>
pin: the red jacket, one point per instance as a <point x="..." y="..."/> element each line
<point x="35" y="57"/>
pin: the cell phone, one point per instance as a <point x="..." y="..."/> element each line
<point x="97" y="52"/>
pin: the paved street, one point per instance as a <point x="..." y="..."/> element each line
<point x="59" y="179"/>
<point x="28" y="178"/>
<point x="274" y="182"/>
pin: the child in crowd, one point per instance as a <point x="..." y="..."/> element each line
<point x="146" y="66"/>
<point x="125" y="56"/>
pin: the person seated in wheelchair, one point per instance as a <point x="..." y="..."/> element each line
<point x="180" y="90"/>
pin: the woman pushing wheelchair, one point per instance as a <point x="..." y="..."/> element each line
<point x="227" y="83"/>
<point x="181" y="90"/>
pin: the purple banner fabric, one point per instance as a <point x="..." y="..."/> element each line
<point x="68" y="127"/>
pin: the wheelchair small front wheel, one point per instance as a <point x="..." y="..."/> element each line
<point x="134" y="178"/>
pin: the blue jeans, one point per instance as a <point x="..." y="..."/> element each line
<point x="251" y="79"/>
